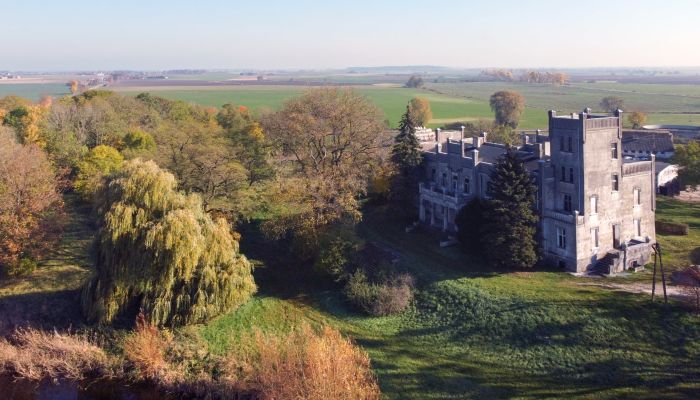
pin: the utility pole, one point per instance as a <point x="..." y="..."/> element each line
<point x="657" y="256"/>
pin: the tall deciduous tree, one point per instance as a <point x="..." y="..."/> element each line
<point x="406" y="157"/>
<point x="329" y="140"/>
<point x="414" y="81"/>
<point x="511" y="222"/>
<point x="637" y="119"/>
<point x="508" y="107"/>
<point x="98" y="163"/>
<point x="158" y="251"/>
<point x="611" y="104"/>
<point x="420" y="110"/>
<point x="30" y="205"/>
<point x="688" y="157"/>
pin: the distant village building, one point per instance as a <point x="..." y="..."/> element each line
<point x="667" y="182"/>
<point x="596" y="208"/>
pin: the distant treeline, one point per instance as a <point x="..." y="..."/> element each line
<point x="504" y="75"/>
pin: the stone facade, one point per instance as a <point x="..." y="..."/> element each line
<point x="596" y="208"/>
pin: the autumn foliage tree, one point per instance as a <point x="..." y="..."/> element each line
<point x="158" y="251"/>
<point x="421" y="113"/>
<point x="688" y="158"/>
<point x="508" y="107"/>
<point x="637" y="119"/>
<point x="30" y="205"/>
<point x="329" y="140"/>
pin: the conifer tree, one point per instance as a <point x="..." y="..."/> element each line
<point x="511" y="222"/>
<point x="158" y="251"/>
<point x="406" y="157"/>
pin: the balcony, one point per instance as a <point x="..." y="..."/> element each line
<point x="441" y="195"/>
<point x="569" y="218"/>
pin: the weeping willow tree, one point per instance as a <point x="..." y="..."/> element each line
<point x="158" y="251"/>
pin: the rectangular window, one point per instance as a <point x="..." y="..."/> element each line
<point x="454" y="183"/>
<point x="613" y="150"/>
<point x="637" y="227"/>
<point x="594" y="238"/>
<point x="563" y="174"/>
<point x="467" y="189"/>
<point x="570" y="142"/>
<point x="561" y="238"/>
<point x="444" y="179"/>
<point x="432" y="175"/>
<point x="561" y="143"/>
<point x="571" y="175"/>
<point x="637" y="196"/>
<point x="615" y="183"/>
<point x="567" y="202"/>
<point x="594" y="204"/>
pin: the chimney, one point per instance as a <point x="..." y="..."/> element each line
<point x="552" y="113"/>
<point x="525" y="138"/>
<point x="485" y="136"/>
<point x="537" y="135"/>
<point x="462" y="128"/>
<point x="437" y="135"/>
<point x="477" y="141"/>
<point x="475" y="156"/>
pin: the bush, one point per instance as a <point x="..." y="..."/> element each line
<point x="671" y="228"/>
<point x="23" y="266"/>
<point x="390" y="296"/>
<point x="336" y="256"/>
<point x="146" y="348"/>
<point x="36" y="355"/>
<point x="303" y="365"/>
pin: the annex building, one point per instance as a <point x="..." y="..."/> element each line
<point x="596" y="207"/>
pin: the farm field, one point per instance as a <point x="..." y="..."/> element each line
<point x="391" y="100"/>
<point x="666" y="104"/>
<point x="33" y="91"/>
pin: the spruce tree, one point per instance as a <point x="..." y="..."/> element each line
<point x="511" y="222"/>
<point x="406" y="157"/>
<point x="158" y="251"/>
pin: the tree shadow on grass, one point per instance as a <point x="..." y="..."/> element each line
<point x="60" y="310"/>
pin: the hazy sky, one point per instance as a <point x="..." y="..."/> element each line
<point x="159" y="34"/>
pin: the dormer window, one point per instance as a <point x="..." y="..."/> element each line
<point x="613" y="150"/>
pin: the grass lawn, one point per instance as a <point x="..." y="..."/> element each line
<point x="478" y="333"/>
<point x="472" y="332"/>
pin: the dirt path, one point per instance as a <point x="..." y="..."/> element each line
<point x="640" y="287"/>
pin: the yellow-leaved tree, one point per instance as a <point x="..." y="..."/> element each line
<point x="158" y="251"/>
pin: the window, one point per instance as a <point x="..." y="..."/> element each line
<point x="561" y="237"/>
<point x="567" y="202"/>
<point x="454" y="182"/>
<point x="615" y="183"/>
<point x="594" y="204"/>
<point x="594" y="238"/>
<point x="467" y="189"/>
<point x="571" y="175"/>
<point x="432" y="175"/>
<point x="561" y="143"/>
<point x="570" y="146"/>
<point x="566" y="143"/>
<point x="444" y="179"/>
<point x="637" y="196"/>
<point x="563" y="174"/>
<point x="637" y="227"/>
<point x="613" y="150"/>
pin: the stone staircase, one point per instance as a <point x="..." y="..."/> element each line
<point x="604" y="265"/>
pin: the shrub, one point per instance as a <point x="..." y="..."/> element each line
<point x="23" y="266"/>
<point x="36" y="355"/>
<point x="391" y="295"/>
<point x="338" y="249"/>
<point x="303" y="365"/>
<point x="146" y="348"/>
<point x="671" y="228"/>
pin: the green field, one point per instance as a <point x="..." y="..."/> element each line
<point x="666" y="104"/>
<point x="33" y="91"/>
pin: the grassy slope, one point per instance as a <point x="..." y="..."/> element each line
<point x="476" y="333"/>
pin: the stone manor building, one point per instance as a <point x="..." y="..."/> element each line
<point x="596" y="208"/>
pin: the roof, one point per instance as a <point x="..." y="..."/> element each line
<point x="651" y="143"/>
